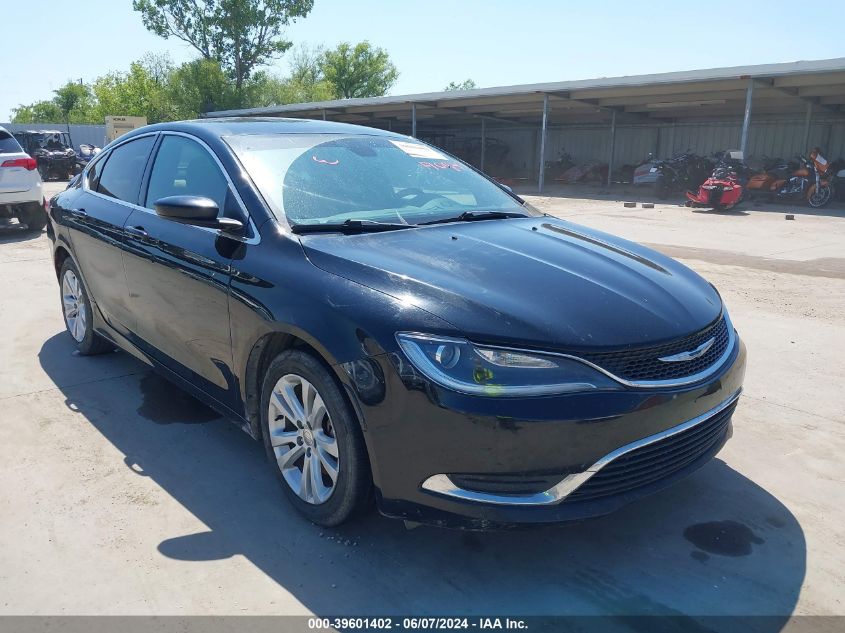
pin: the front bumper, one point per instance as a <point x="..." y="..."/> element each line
<point x="454" y="460"/>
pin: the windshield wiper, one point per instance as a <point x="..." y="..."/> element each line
<point x="469" y="216"/>
<point x="349" y="226"/>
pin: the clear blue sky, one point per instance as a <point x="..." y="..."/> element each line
<point x="494" y="42"/>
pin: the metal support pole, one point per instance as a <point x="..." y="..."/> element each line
<point x="483" y="143"/>
<point x="324" y="115"/>
<point x="807" y="120"/>
<point x="612" y="146"/>
<point x="746" y="121"/>
<point x="414" y="120"/>
<point x="542" y="177"/>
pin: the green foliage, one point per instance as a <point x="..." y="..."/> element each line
<point x="359" y="71"/>
<point x="467" y="84"/>
<point x="139" y="92"/>
<point x="38" y="112"/>
<point x="200" y="86"/>
<point x="72" y="97"/>
<point x="240" y="35"/>
<point x="72" y="103"/>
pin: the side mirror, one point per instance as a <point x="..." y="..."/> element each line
<point x="197" y="211"/>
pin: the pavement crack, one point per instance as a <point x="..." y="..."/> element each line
<point x="76" y="384"/>
<point x="796" y="409"/>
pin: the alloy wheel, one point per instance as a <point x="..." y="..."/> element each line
<point x="820" y="197"/>
<point x="74" y="306"/>
<point x="303" y="439"/>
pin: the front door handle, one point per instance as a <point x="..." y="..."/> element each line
<point x="137" y="231"/>
<point x="78" y="213"/>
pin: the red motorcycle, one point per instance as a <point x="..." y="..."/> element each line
<point x="724" y="189"/>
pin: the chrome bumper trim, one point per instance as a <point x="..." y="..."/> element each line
<point x="442" y="485"/>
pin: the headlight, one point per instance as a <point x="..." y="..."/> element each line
<point x="459" y="365"/>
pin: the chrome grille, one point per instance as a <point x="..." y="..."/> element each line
<point x="644" y="364"/>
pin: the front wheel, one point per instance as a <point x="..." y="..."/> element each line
<point x="78" y="314"/>
<point x="820" y="196"/>
<point x="313" y="441"/>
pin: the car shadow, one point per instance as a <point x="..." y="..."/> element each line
<point x="11" y="233"/>
<point x="714" y="544"/>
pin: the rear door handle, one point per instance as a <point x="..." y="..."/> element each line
<point x="137" y="231"/>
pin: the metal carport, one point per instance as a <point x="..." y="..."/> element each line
<point x="763" y="109"/>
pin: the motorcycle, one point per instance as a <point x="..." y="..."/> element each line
<point x="807" y="179"/>
<point x="837" y="179"/>
<point x="724" y="188"/>
<point x="680" y="173"/>
<point x="84" y="155"/>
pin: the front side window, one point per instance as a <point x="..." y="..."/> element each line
<point x="185" y="168"/>
<point x="326" y="178"/>
<point x="121" y="175"/>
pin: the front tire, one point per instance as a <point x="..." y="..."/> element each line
<point x="820" y="197"/>
<point x="78" y="313"/>
<point x="313" y="440"/>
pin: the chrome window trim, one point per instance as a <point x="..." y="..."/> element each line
<point x="442" y="485"/>
<point x="251" y="240"/>
<point x="680" y="382"/>
<point x="104" y="156"/>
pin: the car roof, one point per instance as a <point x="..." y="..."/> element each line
<point x="235" y="126"/>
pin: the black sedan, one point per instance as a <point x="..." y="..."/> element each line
<point x="391" y="323"/>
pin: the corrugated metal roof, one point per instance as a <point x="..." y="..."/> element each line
<point x="824" y="71"/>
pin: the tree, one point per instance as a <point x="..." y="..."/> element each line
<point x="72" y="96"/>
<point x="200" y="86"/>
<point x="240" y="35"/>
<point x="467" y="84"/>
<point x="38" y="112"/>
<point x="72" y="103"/>
<point x="139" y="92"/>
<point x="359" y="71"/>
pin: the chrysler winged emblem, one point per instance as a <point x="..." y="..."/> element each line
<point x="691" y="354"/>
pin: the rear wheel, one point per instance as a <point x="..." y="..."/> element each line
<point x="76" y="308"/>
<point x="313" y="441"/>
<point x="33" y="215"/>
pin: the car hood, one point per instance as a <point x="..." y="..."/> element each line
<point x="535" y="282"/>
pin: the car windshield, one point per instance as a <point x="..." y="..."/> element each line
<point x="332" y="178"/>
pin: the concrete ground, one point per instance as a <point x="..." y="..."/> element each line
<point x="121" y="495"/>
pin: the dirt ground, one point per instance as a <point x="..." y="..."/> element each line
<point x="121" y="495"/>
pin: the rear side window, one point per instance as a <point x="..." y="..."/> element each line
<point x="124" y="168"/>
<point x="8" y="144"/>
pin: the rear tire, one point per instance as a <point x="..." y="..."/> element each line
<point x="33" y="215"/>
<point x="78" y="312"/>
<point x="329" y="439"/>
